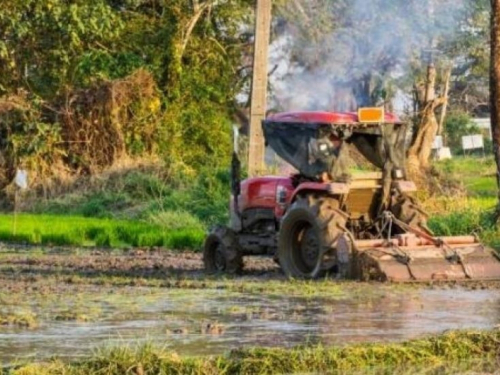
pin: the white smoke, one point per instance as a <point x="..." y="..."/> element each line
<point x="369" y="41"/>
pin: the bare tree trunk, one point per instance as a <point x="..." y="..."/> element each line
<point x="446" y="92"/>
<point x="420" y="150"/>
<point x="495" y="85"/>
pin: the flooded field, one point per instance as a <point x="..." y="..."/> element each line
<point x="195" y="322"/>
<point x="45" y="313"/>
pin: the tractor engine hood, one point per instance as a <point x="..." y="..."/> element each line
<point x="315" y="142"/>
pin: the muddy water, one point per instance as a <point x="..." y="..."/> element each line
<point x="215" y="321"/>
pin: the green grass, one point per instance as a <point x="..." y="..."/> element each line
<point x="132" y="208"/>
<point x="481" y="185"/>
<point x="474" y="219"/>
<point x="474" y="213"/>
<point x="468" y="216"/>
<point x="58" y="230"/>
<point x="146" y="196"/>
<point x="476" y="174"/>
<point x="176" y="215"/>
<point x="451" y="347"/>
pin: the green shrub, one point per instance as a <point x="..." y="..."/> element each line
<point x="206" y="197"/>
<point x="143" y="186"/>
<point x="462" y="222"/>
<point x="148" y="239"/>
<point x="182" y="203"/>
<point x="184" y="240"/>
<point x="106" y="239"/>
<point x="104" y="204"/>
<point x="176" y="220"/>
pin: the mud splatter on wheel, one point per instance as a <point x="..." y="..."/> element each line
<point x="221" y="252"/>
<point x="308" y="235"/>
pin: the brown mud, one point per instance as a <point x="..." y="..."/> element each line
<point x="151" y="264"/>
<point x="131" y="263"/>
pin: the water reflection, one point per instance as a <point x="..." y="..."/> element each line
<point x="184" y="322"/>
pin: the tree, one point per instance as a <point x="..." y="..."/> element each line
<point x="52" y="51"/>
<point x="470" y="54"/>
<point x="42" y="42"/>
<point x="427" y="125"/>
<point x="495" y="84"/>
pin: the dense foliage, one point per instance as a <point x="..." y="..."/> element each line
<point x="85" y="85"/>
<point x="58" y="57"/>
<point x="61" y="62"/>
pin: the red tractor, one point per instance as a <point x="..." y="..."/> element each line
<point x="330" y="219"/>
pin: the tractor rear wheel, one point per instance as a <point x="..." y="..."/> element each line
<point x="221" y="252"/>
<point x="407" y="209"/>
<point x="308" y="236"/>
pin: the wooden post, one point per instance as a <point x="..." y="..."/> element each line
<point x="16" y="200"/>
<point x="259" y="86"/>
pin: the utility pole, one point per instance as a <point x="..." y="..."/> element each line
<point x="259" y="86"/>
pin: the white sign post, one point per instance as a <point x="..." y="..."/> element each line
<point x="21" y="179"/>
<point x="473" y="142"/>
<point x="21" y="182"/>
<point x="440" y="152"/>
<point x="438" y="142"/>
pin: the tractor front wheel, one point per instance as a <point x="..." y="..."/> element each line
<point x="221" y="252"/>
<point x="308" y="236"/>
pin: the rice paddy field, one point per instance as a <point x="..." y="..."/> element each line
<point x="106" y="295"/>
<point x="57" y="230"/>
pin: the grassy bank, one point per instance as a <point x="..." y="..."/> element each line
<point x="145" y="208"/>
<point x="476" y="174"/>
<point x="81" y="231"/>
<point x="447" y="348"/>
<point x="465" y="216"/>
<point x="181" y="231"/>
<point x="472" y="213"/>
<point x="138" y="207"/>
<point x="148" y="194"/>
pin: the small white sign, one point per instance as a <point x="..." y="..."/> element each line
<point x="472" y="142"/>
<point x="438" y="142"/>
<point x="443" y="153"/>
<point x="21" y="179"/>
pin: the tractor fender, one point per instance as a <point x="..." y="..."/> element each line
<point x="332" y="188"/>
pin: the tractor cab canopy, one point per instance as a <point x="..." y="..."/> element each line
<point x="315" y="142"/>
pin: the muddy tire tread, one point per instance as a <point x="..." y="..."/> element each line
<point x="330" y="221"/>
<point x="406" y="209"/>
<point x="232" y="254"/>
